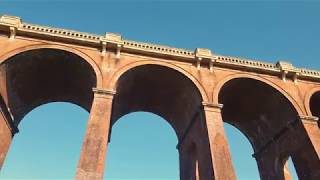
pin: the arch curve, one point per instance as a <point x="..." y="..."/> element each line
<point x="84" y="56"/>
<point x="256" y="106"/>
<point x="124" y="69"/>
<point x="156" y="88"/>
<point x="38" y="74"/>
<point x="307" y="99"/>
<point x="149" y="114"/>
<point x="269" y="117"/>
<point x="222" y="82"/>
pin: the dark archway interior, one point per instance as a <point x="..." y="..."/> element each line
<point x="271" y="123"/>
<point x="315" y="105"/>
<point x="41" y="76"/>
<point x="160" y="90"/>
<point x="256" y="109"/>
<point x="266" y="117"/>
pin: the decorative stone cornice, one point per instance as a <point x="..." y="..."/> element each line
<point x="15" y="26"/>
<point x="147" y="48"/>
<point x="309" y="119"/>
<point x="247" y="64"/>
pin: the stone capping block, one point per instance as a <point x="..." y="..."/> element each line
<point x="203" y="53"/>
<point x="103" y="92"/>
<point x="112" y="38"/>
<point x="12" y="21"/>
<point x="309" y="119"/>
<point x="286" y="66"/>
<point x="212" y="106"/>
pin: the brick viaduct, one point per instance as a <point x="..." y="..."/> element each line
<point x="276" y="106"/>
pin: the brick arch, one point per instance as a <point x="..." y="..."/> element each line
<point x="282" y="91"/>
<point x="261" y="111"/>
<point x="56" y="95"/>
<point x="272" y="139"/>
<point x="190" y="94"/>
<point x="307" y="99"/>
<point x="124" y="69"/>
<point x="77" y="52"/>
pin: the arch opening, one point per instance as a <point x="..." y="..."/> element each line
<point x="48" y="144"/>
<point x="40" y="76"/>
<point x="171" y="95"/>
<point x="144" y="147"/>
<point x="266" y="117"/>
<point x="160" y="90"/>
<point x="241" y="150"/>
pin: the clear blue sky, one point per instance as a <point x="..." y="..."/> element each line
<point x="50" y="137"/>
